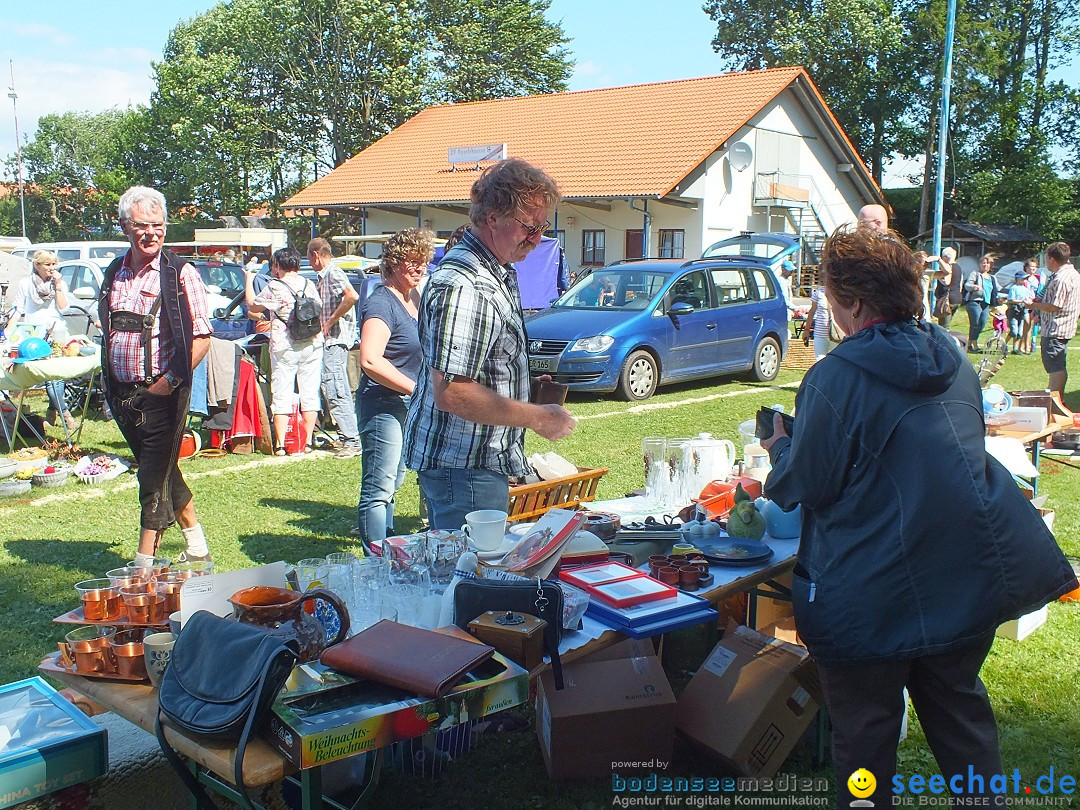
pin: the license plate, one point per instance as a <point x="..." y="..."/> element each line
<point x="539" y="364"/>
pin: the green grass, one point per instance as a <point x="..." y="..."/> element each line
<point x="258" y="509"/>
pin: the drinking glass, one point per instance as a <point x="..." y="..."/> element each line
<point x="653" y="449"/>
<point x="340" y="577"/>
<point x="407" y="600"/>
<point x="677" y="471"/>
<point x="311" y="573"/>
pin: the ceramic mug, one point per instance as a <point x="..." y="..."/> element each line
<point x="486" y="528"/>
<point x="158" y="652"/>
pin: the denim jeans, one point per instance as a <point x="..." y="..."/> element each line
<point x="336" y="393"/>
<point x="977" y="312"/>
<point x="453" y="493"/>
<point x="54" y="389"/>
<point x="382" y="423"/>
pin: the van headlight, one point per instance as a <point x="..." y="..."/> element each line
<point x="593" y="345"/>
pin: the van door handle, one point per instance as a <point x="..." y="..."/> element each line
<point x="757" y="317"/>
<point x="710" y="326"/>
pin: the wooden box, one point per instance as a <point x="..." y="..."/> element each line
<point x="518" y="636"/>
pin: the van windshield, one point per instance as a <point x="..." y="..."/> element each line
<point x="625" y="288"/>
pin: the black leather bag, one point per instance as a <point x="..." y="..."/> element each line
<point x="221" y="681"/>
<point x="538" y="598"/>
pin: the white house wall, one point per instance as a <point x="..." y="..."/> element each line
<point x="725" y="197"/>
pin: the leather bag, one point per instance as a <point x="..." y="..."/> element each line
<point x="942" y="307"/>
<point x="539" y="598"/>
<point x="221" y="681"/>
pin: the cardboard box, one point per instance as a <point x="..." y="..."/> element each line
<point x="785" y="630"/>
<point x="615" y="715"/>
<point x="751" y="701"/>
<point x="1026" y="419"/>
<point x="46" y="743"/>
<point x="331" y="716"/>
<point x="1019" y="629"/>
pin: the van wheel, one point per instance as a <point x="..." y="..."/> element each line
<point x="639" y="377"/>
<point x="766" y="360"/>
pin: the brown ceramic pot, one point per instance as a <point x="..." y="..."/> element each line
<point x="281" y="612"/>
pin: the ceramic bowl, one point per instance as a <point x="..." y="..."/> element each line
<point x="8" y="467"/>
<point x="14" y="487"/>
<point x="53" y="479"/>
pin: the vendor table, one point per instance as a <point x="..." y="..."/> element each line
<point x="1035" y="439"/>
<point x="21" y="377"/>
<point x="212" y="761"/>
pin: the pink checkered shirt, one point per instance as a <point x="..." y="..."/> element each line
<point x="136" y="292"/>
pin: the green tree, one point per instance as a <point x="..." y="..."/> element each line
<point x="74" y="166"/>
<point x="253" y="97"/>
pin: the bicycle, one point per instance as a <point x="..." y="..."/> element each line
<point x="990" y="358"/>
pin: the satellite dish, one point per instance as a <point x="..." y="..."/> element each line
<point x="740" y="155"/>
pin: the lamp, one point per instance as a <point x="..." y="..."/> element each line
<point x="845" y="167"/>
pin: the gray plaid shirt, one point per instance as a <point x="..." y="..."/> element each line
<point x="471" y="325"/>
<point x="332" y="283"/>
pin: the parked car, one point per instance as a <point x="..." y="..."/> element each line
<point x="633" y="326"/>
<point x="103" y="251"/>
<point x="85" y="276"/>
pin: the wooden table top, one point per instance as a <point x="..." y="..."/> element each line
<point x="138" y="703"/>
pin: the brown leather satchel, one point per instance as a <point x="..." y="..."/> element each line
<point x="410" y="658"/>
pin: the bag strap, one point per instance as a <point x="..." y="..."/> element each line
<point x="198" y="792"/>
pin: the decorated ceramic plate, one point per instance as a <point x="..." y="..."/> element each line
<point x="734" y="551"/>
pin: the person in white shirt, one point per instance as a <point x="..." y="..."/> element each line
<point x="40" y="299"/>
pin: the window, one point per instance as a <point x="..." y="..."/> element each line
<point x="592" y="247"/>
<point x="560" y="235"/>
<point x="730" y="285"/>
<point x="766" y="287"/>
<point x="672" y="244"/>
<point x="692" y="289"/>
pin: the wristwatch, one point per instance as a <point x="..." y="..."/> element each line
<point x="172" y="380"/>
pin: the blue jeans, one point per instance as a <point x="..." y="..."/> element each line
<point x="453" y="493"/>
<point x="382" y="423"/>
<point x="336" y="393"/>
<point x="977" y="312"/>
<point x="54" y="389"/>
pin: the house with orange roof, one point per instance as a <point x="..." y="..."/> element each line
<point x="663" y="169"/>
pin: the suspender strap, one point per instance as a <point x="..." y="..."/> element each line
<point x="147" y="330"/>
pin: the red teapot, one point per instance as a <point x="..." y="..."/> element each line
<point x="281" y="613"/>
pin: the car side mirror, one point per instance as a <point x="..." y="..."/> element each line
<point x="219" y="312"/>
<point x="84" y="293"/>
<point x="680" y="308"/>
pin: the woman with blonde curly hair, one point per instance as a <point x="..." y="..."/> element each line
<point x="390" y="360"/>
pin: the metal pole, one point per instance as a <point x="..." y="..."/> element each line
<point x="18" y="146"/>
<point x="943" y="128"/>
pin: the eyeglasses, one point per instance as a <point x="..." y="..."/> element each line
<point x="158" y="227"/>
<point x="532" y="230"/>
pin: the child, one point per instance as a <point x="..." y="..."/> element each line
<point x="1001" y="327"/>
<point x="1019" y="294"/>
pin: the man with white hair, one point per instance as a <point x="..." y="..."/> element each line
<point x="949" y="293"/>
<point x="155" y="331"/>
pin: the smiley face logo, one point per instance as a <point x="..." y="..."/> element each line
<point x="861" y="783"/>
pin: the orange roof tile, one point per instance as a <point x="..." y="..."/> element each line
<point x="639" y="140"/>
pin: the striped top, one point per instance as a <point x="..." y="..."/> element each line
<point x="1063" y="290"/>
<point x="470" y="325"/>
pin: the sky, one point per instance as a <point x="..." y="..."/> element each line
<point x="73" y="55"/>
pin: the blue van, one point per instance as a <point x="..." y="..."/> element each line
<point x="633" y="326"/>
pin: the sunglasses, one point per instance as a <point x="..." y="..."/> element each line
<point x="533" y="230"/>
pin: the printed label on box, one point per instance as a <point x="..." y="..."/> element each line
<point x="719" y="661"/>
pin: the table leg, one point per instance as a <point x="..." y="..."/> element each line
<point x="1036" y="452"/>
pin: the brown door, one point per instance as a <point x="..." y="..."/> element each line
<point x="634" y="241"/>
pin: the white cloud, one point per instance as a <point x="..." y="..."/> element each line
<point x="47" y="86"/>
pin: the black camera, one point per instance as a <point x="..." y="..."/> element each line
<point x="763" y="427"/>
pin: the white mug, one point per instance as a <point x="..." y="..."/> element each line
<point x="485" y="528"/>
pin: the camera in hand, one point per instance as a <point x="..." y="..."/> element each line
<point x="763" y="428"/>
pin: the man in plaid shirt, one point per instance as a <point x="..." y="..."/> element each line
<point x="339" y="335"/>
<point x="465" y="430"/>
<point x="1061" y="307"/>
<point x="155" y="330"/>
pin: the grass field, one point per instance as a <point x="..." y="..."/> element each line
<point x="258" y="509"/>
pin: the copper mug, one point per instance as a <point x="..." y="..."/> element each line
<point x="88" y="649"/>
<point x="169" y="586"/>
<point x="127" y="651"/>
<point x="145" y="603"/>
<point x="101" y="600"/>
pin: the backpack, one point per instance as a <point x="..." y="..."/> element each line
<point x="305" y="320"/>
